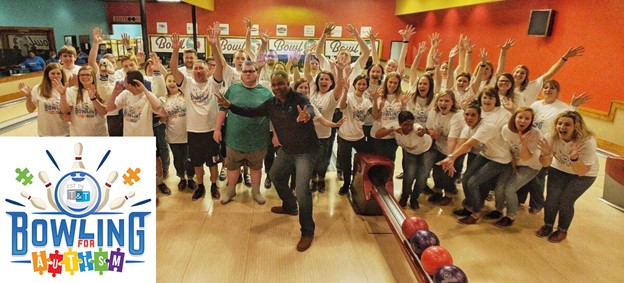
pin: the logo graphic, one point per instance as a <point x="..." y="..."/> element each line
<point x="75" y="226"/>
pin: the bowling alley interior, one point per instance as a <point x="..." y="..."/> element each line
<point x="364" y="235"/>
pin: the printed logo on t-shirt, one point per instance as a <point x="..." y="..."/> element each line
<point x="199" y="95"/>
<point x="562" y="157"/>
<point x="132" y="114"/>
<point x="83" y="110"/>
<point x="538" y="124"/>
<point x="52" y="106"/>
<point x="176" y="111"/>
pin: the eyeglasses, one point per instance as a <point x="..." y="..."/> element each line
<point x="249" y="71"/>
<point x="85" y="75"/>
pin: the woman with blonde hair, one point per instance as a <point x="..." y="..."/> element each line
<point x="570" y="151"/>
<point x="47" y="100"/>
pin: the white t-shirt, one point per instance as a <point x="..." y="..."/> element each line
<point x="355" y="113"/>
<point x="201" y="104"/>
<point x="265" y="74"/>
<point x="530" y="93"/>
<point x="389" y="115"/>
<point x="499" y="116"/>
<point x="513" y="142"/>
<point x="71" y="72"/>
<point x="105" y="89"/>
<point x="449" y="125"/>
<point x="491" y="144"/>
<point x="159" y="87"/>
<point x="85" y="120"/>
<point x="326" y="103"/>
<point x="484" y="84"/>
<point x="545" y="114"/>
<point x="230" y="76"/>
<point x="413" y="143"/>
<point x="175" y="106"/>
<point x="561" y="156"/>
<point x="137" y="114"/>
<point x="419" y="109"/>
<point x="468" y="94"/>
<point x="49" y="121"/>
<point x="186" y="71"/>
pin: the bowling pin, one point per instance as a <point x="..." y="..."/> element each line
<point x="119" y="202"/>
<point x="111" y="179"/>
<point x="46" y="181"/>
<point x="78" y="150"/>
<point x="36" y="202"/>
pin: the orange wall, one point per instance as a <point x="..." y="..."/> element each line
<point x="579" y="22"/>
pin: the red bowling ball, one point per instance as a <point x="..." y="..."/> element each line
<point x="412" y="224"/>
<point x="435" y="257"/>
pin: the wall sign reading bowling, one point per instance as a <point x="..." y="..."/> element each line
<point x="66" y="217"/>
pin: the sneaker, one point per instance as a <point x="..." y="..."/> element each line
<point x="340" y="176"/>
<point x="304" y="243"/>
<point x="400" y="176"/>
<point x="200" y="192"/>
<point x="444" y="201"/>
<point x="535" y="211"/>
<point x="214" y="192"/>
<point x="321" y="186"/>
<point x="280" y="210"/>
<point x="164" y="189"/>
<point x="191" y="184"/>
<point x="344" y="189"/>
<point x="558" y="236"/>
<point x="403" y="202"/>
<point x="247" y="178"/>
<point x="223" y="174"/>
<point x="267" y="183"/>
<point x="462" y="212"/>
<point x="544" y="231"/>
<point x="468" y="220"/>
<point x="494" y="214"/>
<point x="435" y="197"/>
<point x="414" y="205"/>
<point x="504" y="222"/>
<point x="182" y="184"/>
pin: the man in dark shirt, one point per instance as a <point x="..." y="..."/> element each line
<point x="289" y="113"/>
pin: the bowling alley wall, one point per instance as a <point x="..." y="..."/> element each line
<point x="592" y="24"/>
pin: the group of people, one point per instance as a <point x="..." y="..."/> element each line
<point x="262" y="112"/>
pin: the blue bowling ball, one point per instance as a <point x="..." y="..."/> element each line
<point x="450" y="274"/>
<point x="423" y="239"/>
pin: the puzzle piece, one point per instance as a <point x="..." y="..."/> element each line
<point x="54" y="263"/>
<point x="24" y="176"/>
<point x="100" y="261"/>
<point x="39" y="261"/>
<point x="116" y="260"/>
<point x="85" y="261"/>
<point x="71" y="261"/>
<point x="131" y="176"/>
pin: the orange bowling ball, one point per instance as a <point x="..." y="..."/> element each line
<point x="412" y="224"/>
<point x="435" y="257"/>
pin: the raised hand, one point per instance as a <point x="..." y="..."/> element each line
<point x="92" y="92"/>
<point x="434" y="38"/>
<point x="119" y="87"/>
<point x="125" y="40"/>
<point x="422" y="47"/>
<point x="310" y="50"/>
<point x="247" y="22"/>
<point x="140" y="85"/>
<point x="508" y="103"/>
<point x="407" y="32"/>
<point x="294" y="57"/>
<point x="58" y="86"/>
<point x="573" y="52"/>
<point x="156" y="62"/>
<point x="304" y="116"/>
<point x="405" y="97"/>
<point x="544" y="147"/>
<point x="372" y="35"/>
<point x="483" y="54"/>
<point x="454" y="51"/>
<point x="176" y="42"/>
<point x="72" y="81"/>
<point x="25" y="89"/>
<point x="264" y="35"/>
<point x="508" y="44"/>
<point x="329" y="28"/>
<point x="527" y="137"/>
<point x="577" y="101"/>
<point x="141" y="57"/>
<point x="576" y="150"/>
<point x="466" y="43"/>
<point x="352" y="30"/>
<point x="436" y="56"/>
<point x="97" y="36"/>
<point x="222" y="101"/>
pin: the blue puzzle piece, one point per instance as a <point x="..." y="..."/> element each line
<point x="86" y="264"/>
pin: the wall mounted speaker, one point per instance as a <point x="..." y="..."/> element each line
<point x="541" y="22"/>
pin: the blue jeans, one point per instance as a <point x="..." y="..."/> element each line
<point x="163" y="146"/>
<point x="281" y="171"/>
<point x="563" y="190"/>
<point x="416" y="167"/>
<point x="506" y="195"/>
<point x="441" y="179"/>
<point x="322" y="158"/>
<point x="181" y="160"/>
<point x="536" y="189"/>
<point x="345" y="149"/>
<point x="385" y="147"/>
<point x="478" y="172"/>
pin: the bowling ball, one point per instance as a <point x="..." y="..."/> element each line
<point x="435" y="257"/>
<point x="412" y="224"/>
<point x="423" y="239"/>
<point x="450" y="274"/>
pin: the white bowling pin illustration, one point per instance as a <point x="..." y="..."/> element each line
<point x="119" y="202"/>
<point x="36" y="202"/>
<point x="111" y="179"/>
<point x="46" y="181"/>
<point x="78" y="151"/>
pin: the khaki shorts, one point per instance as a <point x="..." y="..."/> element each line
<point x="235" y="159"/>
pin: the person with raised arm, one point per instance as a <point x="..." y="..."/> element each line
<point x="201" y="111"/>
<point x="466" y="87"/>
<point x="84" y="105"/>
<point x="290" y="113"/>
<point x="44" y="98"/>
<point x="488" y="72"/>
<point x="570" y="151"/>
<point x="386" y="108"/>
